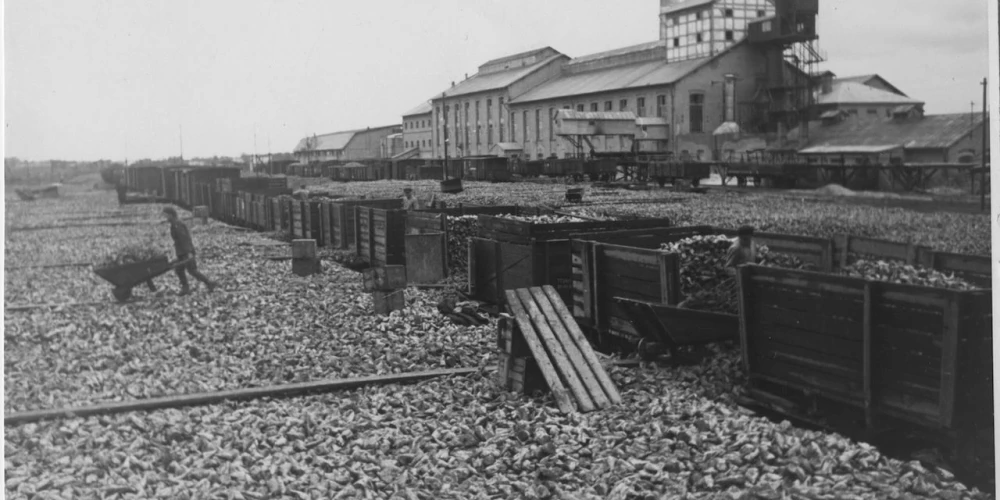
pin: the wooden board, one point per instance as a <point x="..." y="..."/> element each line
<point x="515" y="231"/>
<point x="201" y="399"/>
<point x="387" y="278"/>
<point x="563" y="401"/>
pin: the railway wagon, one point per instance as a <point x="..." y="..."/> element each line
<point x="486" y="168"/>
<point x="190" y="177"/>
<point x="528" y="169"/>
<point x="671" y="171"/>
<point x="146" y="178"/>
<point x="841" y="350"/>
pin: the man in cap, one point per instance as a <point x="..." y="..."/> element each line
<point x="184" y="248"/>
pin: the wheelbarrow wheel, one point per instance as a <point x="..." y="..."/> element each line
<point x="122" y="293"/>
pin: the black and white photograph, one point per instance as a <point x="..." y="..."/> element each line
<point x="475" y="249"/>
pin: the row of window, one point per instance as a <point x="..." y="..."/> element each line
<point x="704" y="14"/>
<point x="696" y="120"/>
<point x="416" y="144"/>
<point x="701" y="37"/>
<point x="418" y="124"/>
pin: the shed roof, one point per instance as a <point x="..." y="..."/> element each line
<point x="423" y="109"/>
<point x="515" y="57"/>
<point x="865" y="149"/>
<point x="482" y="82"/>
<point x="926" y="132"/>
<point x="677" y="7"/>
<point x="866" y="80"/>
<point x="851" y="92"/>
<point x="326" y="142"/>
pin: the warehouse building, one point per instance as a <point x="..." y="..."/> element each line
<point x="864" y="97"/>
<point x="418" y="132"/>
<point x="350" y="145"/>
<point x="908" y="135"/>
<point x="470" y="118"/>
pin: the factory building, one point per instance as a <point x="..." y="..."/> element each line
<point x="418" y="132"/>
<point x="720" y="69"/>
<point x="471" y="117"/>
<point x="350" y="145"/>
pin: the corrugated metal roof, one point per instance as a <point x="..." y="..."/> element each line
<point x="335" y="141"/>
<point x="684" y="5"/>
<point x="516" y="56"/>
<point x="590" y="82"/>
<point x="670" y="73"/>
<point x="423" y="109"/>
<point x="866" y="80"/>
<point x="569" y="114"/>
<point x="618" y="52"/>
<point x="927" y="132"/>
<point x="498" y="80"/>
<point x="844" y="92"/>
<point x="825" y="150"/>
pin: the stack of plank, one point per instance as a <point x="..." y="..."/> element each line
<point x="386" y="285"/>
<point x="543" y="347"/>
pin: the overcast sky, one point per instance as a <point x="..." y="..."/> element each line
<point x="91" y="79"/>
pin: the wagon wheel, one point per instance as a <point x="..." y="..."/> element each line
<point x="122" y="293"/>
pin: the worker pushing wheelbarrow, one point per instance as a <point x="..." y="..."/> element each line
<point x="130" y="274"/>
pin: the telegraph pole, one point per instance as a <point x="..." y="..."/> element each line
<point x="180" y="133"/>
<point x="444" y="108"/>
<point x="982" y="175"/>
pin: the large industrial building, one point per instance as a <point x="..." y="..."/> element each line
<point x="725" y="77"/>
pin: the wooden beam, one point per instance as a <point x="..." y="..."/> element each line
<point x="209" y="398"/>
<point x="589" y="355"/>
<point x="562" y="359"/>
<point x="949" y="360"/>
<point x="574" y="350"/>
<point x="867" y="368"/>
<point x="541" y="356"/>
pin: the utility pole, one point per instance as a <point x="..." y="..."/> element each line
<point x="444" y="108"/>
<point x="982" y="175"/>
<point x="180" y="133"/>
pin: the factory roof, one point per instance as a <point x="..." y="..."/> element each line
<point x="609" y="79"/>
<point x="335" y="141"/>
<point x="677" y="7"/>
<point x="423" y="109"/>
<point x="922" y="132"/>
<point x="865" y="149"/>
<point x="851" y="92"/>
<point x="518" y="56"/>
<point x="618" y="52"/>
<point x="482" y="82"/>
<point x="868" y="79"/>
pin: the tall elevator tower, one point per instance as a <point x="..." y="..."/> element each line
<point x="789" y="42"/>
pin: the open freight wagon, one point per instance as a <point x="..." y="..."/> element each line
<point x="844" y="351"/>
<point x="511" y="254"/>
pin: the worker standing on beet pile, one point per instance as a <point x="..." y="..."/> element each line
<point x="184" y="248"/>
<point x="743" y="251"/>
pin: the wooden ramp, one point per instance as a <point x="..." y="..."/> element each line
<point x="557" y="347"/>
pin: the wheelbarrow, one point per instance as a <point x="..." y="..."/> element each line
<point x="126" y="276"/>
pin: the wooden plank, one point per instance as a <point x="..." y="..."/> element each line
<point x="823" y="325"/>
<point x="670" y="286"/>
<point x="908" y="318"/>
<point x="845" y="352"/>
<point x="581" y="341"/>
<point x="807" y="301"/>
<point x="587" y="263"/>
<point x="961" y="263"/>
<point x="210" y="398"/>
<point x="849" y="287"/>
<point x="692" y="327"/>
<point x="563" y="401"/>
<point x="866" y="363"/>
<point x="743" y="280"/>
<point x="791" y="374"/>
<point x="561" y="358"/>
<point x="583" y="369"/>
<point x="949" y="358"/>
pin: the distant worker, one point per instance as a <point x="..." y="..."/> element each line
<point x="302" y="193"/>
<point x="184" y="248"/>
<point x="410" y="202"/>
<point x="743" y="251"/>
<point x="122" y="192"/>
